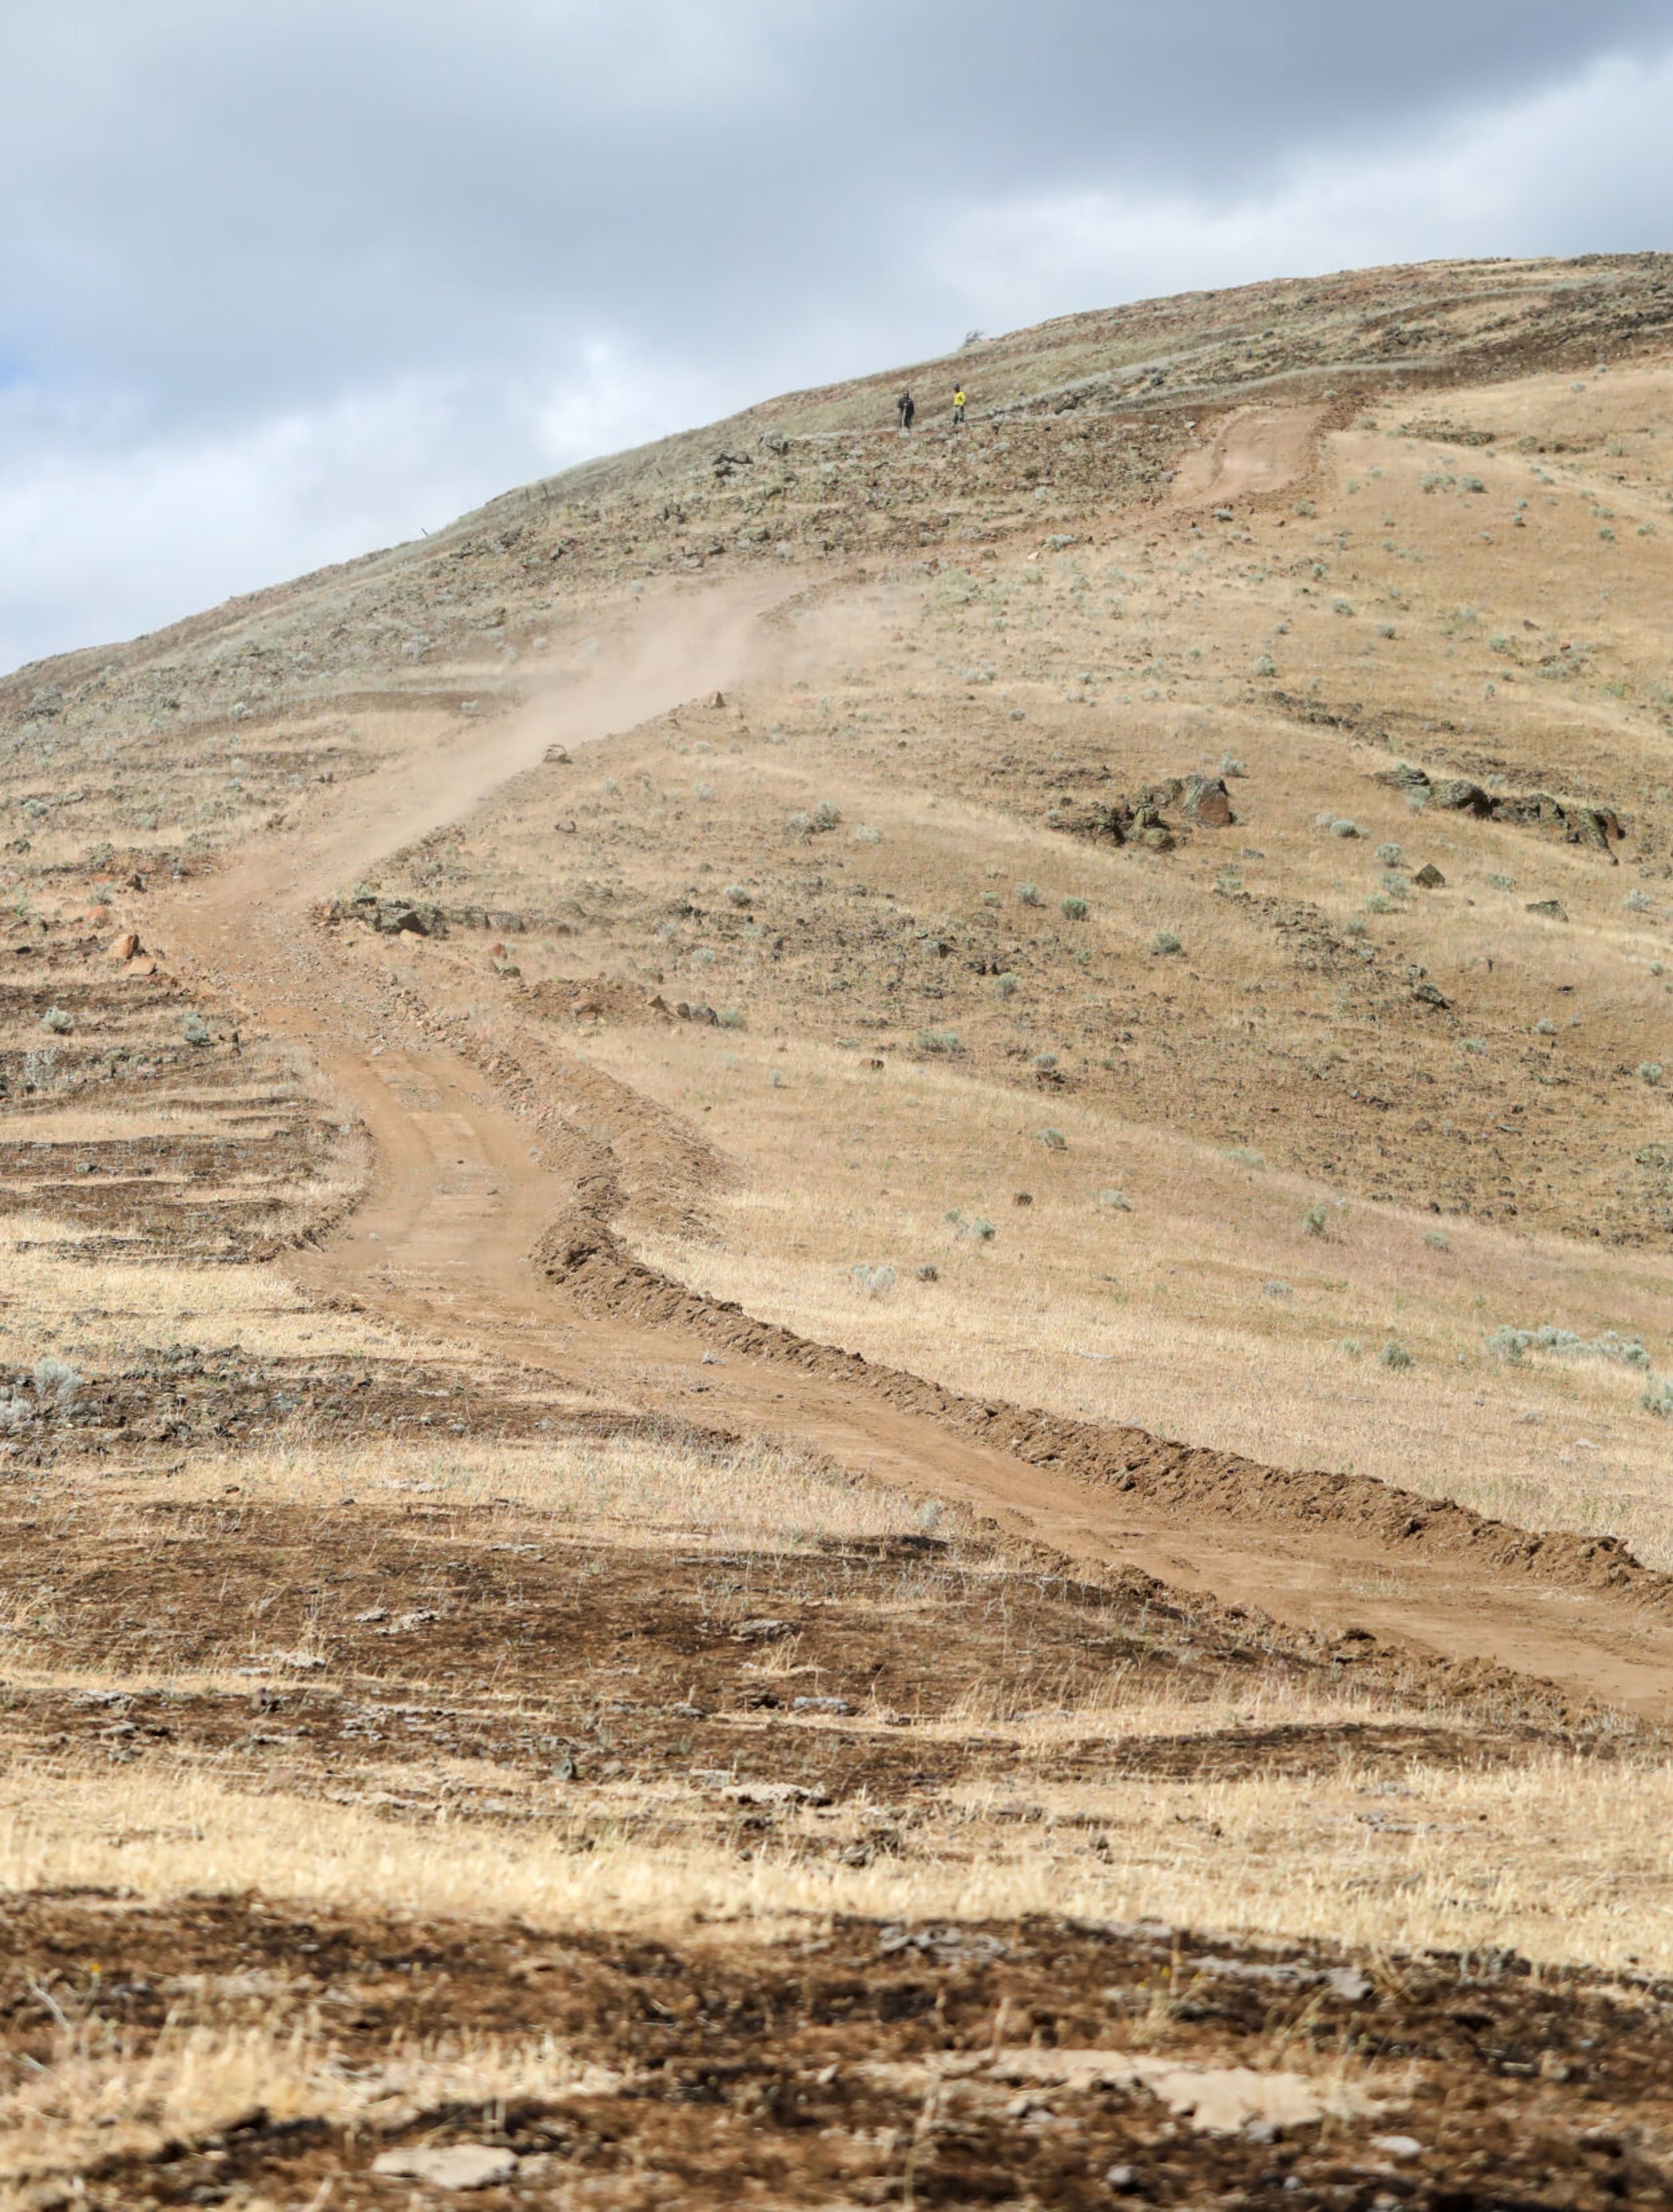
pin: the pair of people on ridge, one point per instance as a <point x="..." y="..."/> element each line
<point x="906" y="408"/>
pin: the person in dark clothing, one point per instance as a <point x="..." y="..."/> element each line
<point x="906" y="408"/>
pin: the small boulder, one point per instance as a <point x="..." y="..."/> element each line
<point x="1429" y="877"/>
<point x="1459" y="796"/>
<point x="127" y="946"/>
<point x="1426" y="995"/>
<point x="456" y="2166"/>
<point x="1208" y="802"/>
<point x="1552" y="909"/>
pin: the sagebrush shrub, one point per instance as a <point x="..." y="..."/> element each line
<point x="1073" y="910"/>
<point x="55" y="1380"/>
<point x="59" y="1022"/>
<point x="1053" y="1140"/>
<point x="1313" y="1220"/>
<point x="1028" y="895"/>
<point x="1166" y="942"/>
<point x="1394" y="1355"/>
<point x="1514" y="1344"/>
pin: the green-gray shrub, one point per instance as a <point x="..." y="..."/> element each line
<point x="194" y="1029"/>
<point x="1053" y="1140"/>
<point x="733" y="1017"/>
<point x="740" y="894"/>
<point x="1028" y="895"/>
<point x="1073" y="910"/>
<point x="1514" y="1344"/>
<point x="1166" y="942"/>
<point x="55" y="1380"/>
<point x="1394" y="1355"/>
<point x="826" y="815"/>
<point x="1313" y="1220"/>
<point x="1117" y="1201"/>
<point x="1658" y="1399"/>
<point x="59" y="1022"/>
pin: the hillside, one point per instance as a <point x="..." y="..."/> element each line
<point x="849" y="1258"/>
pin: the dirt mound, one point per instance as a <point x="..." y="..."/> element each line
<point x="590" y="1261"/>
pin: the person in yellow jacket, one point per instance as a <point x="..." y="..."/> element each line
<point x="958" y="408"/>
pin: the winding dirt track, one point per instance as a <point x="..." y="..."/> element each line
<point x="460" y="1200"/>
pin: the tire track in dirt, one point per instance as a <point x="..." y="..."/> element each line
<point x="494" y="1149"/>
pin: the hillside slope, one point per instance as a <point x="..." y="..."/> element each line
<point x="916" y="1193"/>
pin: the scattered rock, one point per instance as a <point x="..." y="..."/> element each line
<point x="763" y="1632"/>
<point x="459" y="2166"/>
<point x="556" y="757"/>
<point x="1208" y="802"/>
<point x="1429" y="877"/>
<point x="1576" y="821"/>
<point x="1427" y="996"/>
<point x="774" y="1793"/>
<point x="1553" y="910"/>
<point x="127" y="946"/>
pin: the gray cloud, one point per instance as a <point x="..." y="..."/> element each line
<point x="561" y="221"/>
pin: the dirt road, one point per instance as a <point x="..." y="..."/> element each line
<point x="460" y="1198"/>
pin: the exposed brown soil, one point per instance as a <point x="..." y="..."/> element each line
<point x="645" y="1663"/>
<point x="867" y="2064"/>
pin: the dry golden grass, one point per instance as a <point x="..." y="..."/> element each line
<point x="1162" y="1314"/>
<point x="1455" y="1859"/>
<point x="102" y="1311"/>
<point x="103" y="2093"/>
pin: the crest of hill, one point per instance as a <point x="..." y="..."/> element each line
<point x="791" y="479"/>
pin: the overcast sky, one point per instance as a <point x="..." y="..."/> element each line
<point x="283" y="280"/>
